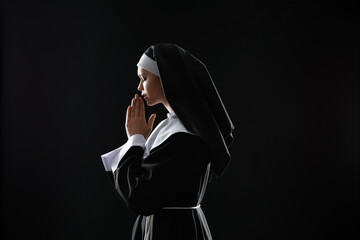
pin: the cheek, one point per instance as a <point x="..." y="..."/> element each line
<point x="146" y="87"/>
<point x="148" y="90"/>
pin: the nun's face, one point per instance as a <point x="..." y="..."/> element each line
<point x="150" y="87"/>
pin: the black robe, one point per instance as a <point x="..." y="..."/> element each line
<point x="174" y="174"/>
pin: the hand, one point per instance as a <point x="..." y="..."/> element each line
<point x="135" y="119"/>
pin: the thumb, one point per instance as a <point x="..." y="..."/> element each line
<point x="151" y="121"/>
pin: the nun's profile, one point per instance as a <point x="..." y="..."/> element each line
<point x="162" y="174"/>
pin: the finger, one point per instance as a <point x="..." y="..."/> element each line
<point x="137" y="105"/>
<point x="132" y="102"/>
<point x="151" y="121"/>
<point x="128" y="113"/>
<point x="142" y="108"/>
<point x="132" y="109"/>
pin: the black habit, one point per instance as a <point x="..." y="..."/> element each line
<point x="164" y="183"/>
<point x="175" y="174"/>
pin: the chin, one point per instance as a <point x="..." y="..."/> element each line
<point x="150" y="103"/>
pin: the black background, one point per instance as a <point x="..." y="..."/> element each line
<point x="287" y="73"/>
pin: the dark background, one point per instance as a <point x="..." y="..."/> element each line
<point x="287" y="73"/>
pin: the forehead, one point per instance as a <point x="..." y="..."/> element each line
<point x="141" y="71"/>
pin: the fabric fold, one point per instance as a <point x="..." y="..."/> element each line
<point x="112" y="159"/>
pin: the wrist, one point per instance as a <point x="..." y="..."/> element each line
<point x="137" y="140"/>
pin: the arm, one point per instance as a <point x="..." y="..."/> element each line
<point x="136" y="128"/>
<point x="146" y="185"/>
<point x="112" y="159"/>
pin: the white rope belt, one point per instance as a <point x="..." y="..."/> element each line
<point x="182" y="207"/>
<point x="149" y="220"/>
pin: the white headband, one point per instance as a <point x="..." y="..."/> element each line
<point x="148" y="64"/>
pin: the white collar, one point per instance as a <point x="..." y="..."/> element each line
<point x="163" y="130"/>
<point x="171" y="114"/>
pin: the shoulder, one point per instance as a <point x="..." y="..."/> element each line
<point x="181" y="140"/>
<point x="185" y="137"/>
<point x="170" y="126"/>
<point x="186" y="147"/>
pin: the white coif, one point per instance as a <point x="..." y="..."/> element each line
<point x="148" y="64"/>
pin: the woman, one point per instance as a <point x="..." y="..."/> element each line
<point x="162" y="175"/>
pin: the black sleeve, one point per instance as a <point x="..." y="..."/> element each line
<point x="145" y="185"/>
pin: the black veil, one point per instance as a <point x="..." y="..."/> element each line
<point x="193" y="96"/>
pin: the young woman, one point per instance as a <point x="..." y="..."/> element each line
<point x="161" y="175"/>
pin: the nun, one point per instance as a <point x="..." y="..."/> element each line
<point x="162" y="174"/>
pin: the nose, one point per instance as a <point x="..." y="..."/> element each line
<point x="140" y="87"/>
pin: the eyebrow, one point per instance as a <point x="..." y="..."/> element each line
<point x="141" y="76"/>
